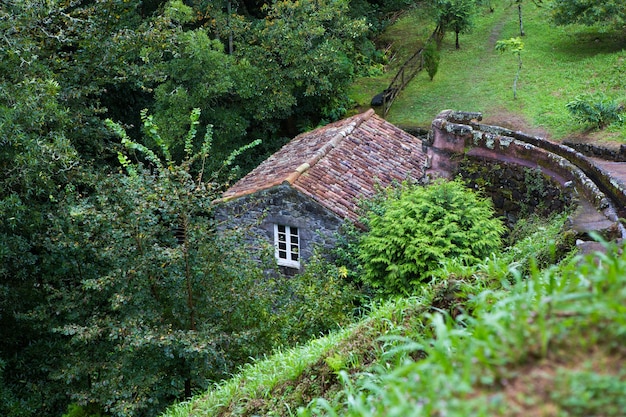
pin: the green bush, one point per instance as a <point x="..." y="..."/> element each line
<point x="431" y="59"/>
<point x="316" y="301"/>
<point x="420" y="228"/>
<point x="595" y="111"/>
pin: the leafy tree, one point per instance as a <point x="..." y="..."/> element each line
<point x="420" y="228"/>
<point x="37" y="160"/>
<point x="284" y="71"/>
<point x="455" y="15"/>
<point x="516" y="46"/>
<point x="589" y="12"/>
<point x="310" y="51"/>
<point x="152" y="301"/>
<point x="88" y="49"/>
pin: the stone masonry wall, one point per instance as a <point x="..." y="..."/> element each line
<point x="458" y="134"/>
<point x="282" y="204"/>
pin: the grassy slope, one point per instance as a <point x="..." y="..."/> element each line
<point x="558" y="64"/>
<point x="484" y="342"/>
<point x="546" y="346"/>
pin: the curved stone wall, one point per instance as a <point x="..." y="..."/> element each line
<point x="460" y="133"/>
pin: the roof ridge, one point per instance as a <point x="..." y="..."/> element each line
<point x="330" y="145"/>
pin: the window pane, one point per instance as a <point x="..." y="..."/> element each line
<point x="287" y="245"/>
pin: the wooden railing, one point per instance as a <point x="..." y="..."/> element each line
<point x="407" y="72"/>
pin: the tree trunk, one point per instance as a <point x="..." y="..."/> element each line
<point x="456" y="44"/>
<point x="519" y="69"/>
<point x="230" y="29"/>
<point x="188" y="388"/>
<point x="521" y="24"/>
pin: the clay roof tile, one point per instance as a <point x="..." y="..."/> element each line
<point x="340" y="163"/>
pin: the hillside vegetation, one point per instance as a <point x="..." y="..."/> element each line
<point x="502" y="338"/>
<point x="559" y="64"/>
<point x="534" y="331"/>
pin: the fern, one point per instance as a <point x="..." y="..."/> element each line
<point x="423" y="226"/>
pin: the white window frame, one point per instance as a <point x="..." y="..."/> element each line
<point x="287" y="245"/>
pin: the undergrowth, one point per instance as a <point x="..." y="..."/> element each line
<point x="456" y="347"/>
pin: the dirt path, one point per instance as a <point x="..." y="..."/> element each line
<point x="513" y="121"/>
<point x="497" y="30"/>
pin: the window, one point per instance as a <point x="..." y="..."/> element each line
<point x="287" y="244"/>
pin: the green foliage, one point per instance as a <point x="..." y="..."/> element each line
<point x="428" y="363"/>
<point x="431" y="59"/>
<point x="596" y="111"/>
<point x="538" y="241"/>
<point x="516" y="46"/>
<point x="316" y="301"/>
<point x="455" y="367"/>
<point x="37" y="160"/>
<point x="310" y="50"/>
<point x="586" y="392"/>
<point x="423" y="226"/>
<point x="345" y="255"/>
<point x="75" y="410"/>
<point x="168" y="305"/>
<point x="589" y="12"/>
<point x="455" y="15"/>
<point x="379" y="14"/>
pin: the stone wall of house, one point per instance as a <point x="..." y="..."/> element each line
<point x="282" y="204"/>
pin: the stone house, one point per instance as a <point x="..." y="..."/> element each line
<point x="299" y="197"/>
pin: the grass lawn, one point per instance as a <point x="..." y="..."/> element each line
<point x="559" y="63"/>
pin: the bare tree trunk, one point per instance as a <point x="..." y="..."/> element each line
<point x="519" y="12"/>
<point x="519" y="69"/>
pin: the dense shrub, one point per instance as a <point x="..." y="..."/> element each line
<point x="315" y="301"/>
<point x="420" y="228"/>
<point x="595" y="111"/>
<point x="431" y="59"/>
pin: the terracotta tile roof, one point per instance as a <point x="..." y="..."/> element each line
<point x="340" y="163"/>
